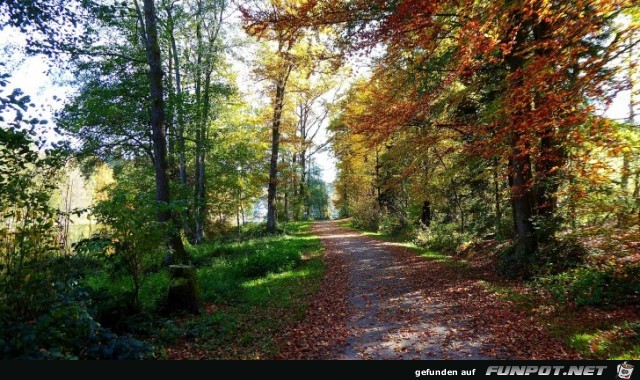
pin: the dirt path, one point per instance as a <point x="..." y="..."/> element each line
<point x="382" y="301"/>
<point x="390" y="315"/>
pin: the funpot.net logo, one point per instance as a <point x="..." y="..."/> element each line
<point x="624" y="371"/>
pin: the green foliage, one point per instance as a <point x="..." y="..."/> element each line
<point x="398" y="226"/>
<point x="513" y="263"/>
<point x="223" y="267"/>
<point x="262" y="263"/>
<point x="67" y="330"/>
<point x="109" y="114"/>
<point x="367" y="215"/>
<point x="43" y="315"/>
<point x="317" y="196"/>
<point x="442" y="237"/>
<point x="28" y="236"/>
<point x="559" y="256"/>
<point x="250" y="312"/>
<point x="236" y="180"/>
<point x="595" y="286"/>
<point x="134" y="237"/>
<point x="552" y="257"/>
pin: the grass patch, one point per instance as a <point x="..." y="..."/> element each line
<point x="253" y="290"/>
<point x="617" y="341"/>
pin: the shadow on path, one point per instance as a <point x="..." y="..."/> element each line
<point x="390" y="315"/>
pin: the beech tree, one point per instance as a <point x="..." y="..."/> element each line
<point x="513" y="79"/>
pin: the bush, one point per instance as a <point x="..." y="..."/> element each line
<point x="559" y="256"/>
<point x="134" y="240"/>
<point x="397" y="226"/>
<point x="556" y="256"/>
<point x="441" y="237"/>
<point x="67" y="331"/>
<point x="113" y="308"/>
<point x="262" y="263"/>
<point x="512" y="263"/>
<point x="367" y="216"/>
<point x="81" y="264"/>
<point x="219" y="229"/>
<point x="595" y="286"/>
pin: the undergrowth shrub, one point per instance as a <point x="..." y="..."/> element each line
<point x="398" y="226"/>
<point x="595" y="286"/>
<point x="441" y="237"/>
<point x="367" y="216"/>
<point x="67" y="330"/>
<point x="558" y="256"/>
<point x="553" y="257"/>
<point x="134" y="238"/>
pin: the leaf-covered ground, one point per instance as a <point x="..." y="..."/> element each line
<point x="367" y="298"/>
<point x="379" y="300"/>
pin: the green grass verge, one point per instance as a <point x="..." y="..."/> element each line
<point x="252" y="310"/>
<point x="251" y="290"/>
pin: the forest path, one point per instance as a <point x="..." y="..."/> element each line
<point x="380" y="300"/>
<point x="391" y="313"/>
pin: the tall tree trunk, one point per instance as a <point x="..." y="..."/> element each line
<point x="548" y="164"/>
<point x="512" y="200"/>
<point x="520" y="169"/>
<point x="345" y="198"/>
<point x="496" y="193"/>
<point x="205" y="60"/>
<point x="198" y="117"/>
<point x="201" y="145"/>
<point x="159" y="138"/>
<point x="378" y="181"/>
<point x="170" y="124"/>
<point x="179" y="148"/>
<point x="187" y="295"/>
<point x="304" y="115"/>
<point x="307" y="205"/>
<point x="182" y="162"/>
<point x="522" y="196"/>
<point x="295" y="184"/>
<point x="286" y="203"/>
<point x="238" y="221"/>
<point x="272" y="215"/>
<point x="285" y="215"/>
<point x="633" y="103"/>
<point x="198" y="195"/>
<point x="303" y="183"/>
<point x="550" y="158"/>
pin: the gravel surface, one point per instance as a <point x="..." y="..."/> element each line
<point x="390" y="316"/>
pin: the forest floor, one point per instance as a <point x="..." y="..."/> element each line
<point x="364" y="295"/>
<point x="380" y="300"/>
